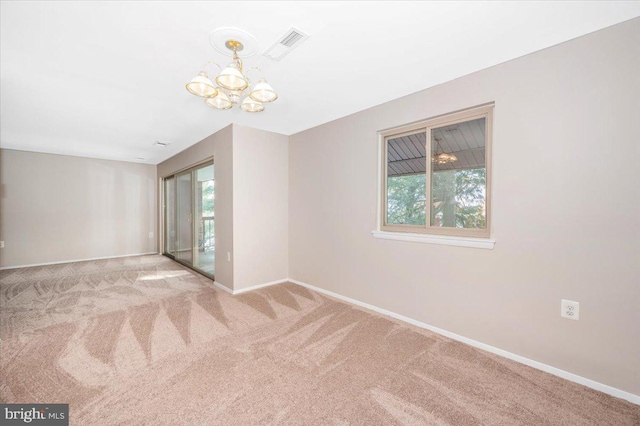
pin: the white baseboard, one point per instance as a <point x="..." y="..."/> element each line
<point x="222" y="287"/>
<point x="77" y="260"/>
<point x="255" y="287"/>
<point x="518" y="358"/>
<point x="246" y="289"/>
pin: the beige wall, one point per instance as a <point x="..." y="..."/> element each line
<point x="260" y="207"/>
<point x="218" y="146"/>
<point x="251" y="173"/>
<point x="565" y="211"/>
<point x="58" y="208"/>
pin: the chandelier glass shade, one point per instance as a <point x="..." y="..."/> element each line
<point x="231" y="86"/>
<point x="249" y="105"/>
<point x="219" y="101"/>
<point x="231" y="78"/>
<point x="263" y="92"/>
<point x="202" y="86"/>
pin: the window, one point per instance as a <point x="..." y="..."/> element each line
<point x="436" y="176"/>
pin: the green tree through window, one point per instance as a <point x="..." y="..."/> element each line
<point x="458" y="199"/>
<point x="406" y="197"/>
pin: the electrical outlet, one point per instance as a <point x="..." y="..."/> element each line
<point x="570" y="309"/>
<point x="150" y="234"/>
<point x="228" y="256"/>
<point x="1" y="244"/>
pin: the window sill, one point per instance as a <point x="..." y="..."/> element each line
<point x="482" y="243"/>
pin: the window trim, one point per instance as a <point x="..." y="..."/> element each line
<point x="446" y="240"/>
<point x="483" y="111"/>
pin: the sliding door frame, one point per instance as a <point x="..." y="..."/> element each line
<point x="183" y="223"/>
<point x="163" y="196"/>
<point x="165" y="240"/>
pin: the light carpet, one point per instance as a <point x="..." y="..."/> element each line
<point x="143" y="340"/>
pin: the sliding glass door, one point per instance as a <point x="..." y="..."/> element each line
<point x="170" y="216"/>
<point x="184" y="219"/>
<point x="189" y="230"/>
<point x="204" y="257"/>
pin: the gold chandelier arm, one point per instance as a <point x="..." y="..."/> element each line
<point x="212" y="63"/>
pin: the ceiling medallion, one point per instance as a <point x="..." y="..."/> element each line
<point x="232" y="84"/>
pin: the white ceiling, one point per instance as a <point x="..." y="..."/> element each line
<point x="106" y="79"/>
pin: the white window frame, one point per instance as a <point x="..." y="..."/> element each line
<point x="472" y="237"/>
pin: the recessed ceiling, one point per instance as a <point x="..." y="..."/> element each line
<point x="107" y="79"/>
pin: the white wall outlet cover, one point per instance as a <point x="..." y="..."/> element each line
<point x="1" y="244"/>
<point x="228" y="256"/>
<point x="150" y="234"/>
<point x="570" y="309"/>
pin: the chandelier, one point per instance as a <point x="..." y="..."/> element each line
<point x="231" y="85"/>
<point x="443" y="157"/>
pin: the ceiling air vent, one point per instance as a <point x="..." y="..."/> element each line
<point x="289" y="41"/>
<point x="162" y="144"/>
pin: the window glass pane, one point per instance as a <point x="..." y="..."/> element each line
<point x="406" y="179"/>
<point x="184" y="218"/>
<point x="204" y="257"/>
<point x="458" y="175"/>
